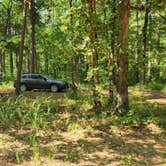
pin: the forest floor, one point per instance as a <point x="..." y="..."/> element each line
<point x="74" y="138"/>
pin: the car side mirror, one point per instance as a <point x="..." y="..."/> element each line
<point x="45" y="79"/>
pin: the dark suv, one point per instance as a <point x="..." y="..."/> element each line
<point x="31" y="81"/>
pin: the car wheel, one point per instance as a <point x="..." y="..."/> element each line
<point x="23" y="87"/>
<point x="54" y="88"/>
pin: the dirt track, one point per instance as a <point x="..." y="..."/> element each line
<point x="153" y="96"/>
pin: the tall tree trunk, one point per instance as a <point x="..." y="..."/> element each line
<point x="27" y="60"/>
<point x="21" y="47"/>
<point x="77" y="69"/>
<point x="144" y="42"/>
<point x="149" y="77"/>
<point x="17" y="54"/>
<point x="11" y="63"/>
<point x="46" y="63"/>
<point x="136" y="65"/>
<point x="71" y="58"/>
<point x="8" y="31"/>
<point x="122" y="80"/>
<point x="1" y="65"/>
<point x="95" y="66"/>
<point x="158" y="50"/>
<point x="112" y="51"/>
<point x="32" y="36"/>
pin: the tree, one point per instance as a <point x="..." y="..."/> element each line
<point x="122" y="59"/>
<point x="32" y="37"/>
<point x="71" y="56"/>
<point x="93" y="40"/>
<point x="137" y="45"/>
<point x="24" y="12"/>
<point x="112" y="51"/>
<point x="144" y="41"/>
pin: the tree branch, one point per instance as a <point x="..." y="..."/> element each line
<point x="141" y="8"/>
<point x="162" y="17"/>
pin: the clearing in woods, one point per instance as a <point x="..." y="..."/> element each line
<point x="74" y="139"/>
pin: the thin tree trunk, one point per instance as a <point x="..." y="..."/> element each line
<point x="16" y="62"/>
<point x="71" y="60"/>
<point x="144" y="42"/>
<point x="8" y="32"/>
<point x="11" y="63"/>
<point x="149" y="77"/>
<point x="157" y="50"/>
<point x="46" y="63"/>
<point x="77" y="69"/>
<point x="1" y="65"/>
<point x="136" y="65"/>
<point x="21" y="47"/>
<point x="122" y="80"/>
<point x="32" y="36"/>
<point x="112" y="52"/>
<point x="93" y="37"/>
<point x="27" y="61"/>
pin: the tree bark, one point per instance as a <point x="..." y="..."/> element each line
<point x="1" y="65"/>
<point x="21" y="47"/>
<point x="11" y="63"/>
<point x="32" y="36"/>
<point x="122" y="80"/>
<point x="71" y="58"/>
<point x="149" y="76"/>
<point x="93" y="38"/>
<point x="136" y="65"/>
<point x="112" y="52"/>
<point x="17" y="54"/>
<point x="158" y="50"/>
<point x="27" y="61"/>
<point x="46" y="63"/>
<point x="144" y="43"/>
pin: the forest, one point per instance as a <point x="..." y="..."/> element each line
<point x="112" y="54"/>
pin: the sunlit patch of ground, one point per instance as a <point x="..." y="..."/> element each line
<point x="71" y="140"/>
<point x="101" y="145"/>
<point x="151" y="96"/>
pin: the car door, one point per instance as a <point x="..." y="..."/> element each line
<point x="42" y="82"/>
<point x="32" y="81"/>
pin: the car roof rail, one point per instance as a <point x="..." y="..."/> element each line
<point x="30" y="73"/>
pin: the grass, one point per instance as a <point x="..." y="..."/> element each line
<point x="62" y="128"/>
<point x="153" y="85"/>
<point x="6" y="84"/>
<point x="156" y="86"/>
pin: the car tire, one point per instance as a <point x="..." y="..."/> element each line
<point x="23" y="87"/>
<point x="54" y="88"/>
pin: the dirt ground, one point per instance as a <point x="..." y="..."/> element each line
<point x="103" y="145"/>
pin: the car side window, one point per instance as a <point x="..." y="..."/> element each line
<point x="24" y="76"/>
<point x="36" y="77"/>
<point x="40" y="77"/>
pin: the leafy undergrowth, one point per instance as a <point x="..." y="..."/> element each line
<point x="153" y="85"/>
<point x="42" y="128"/>
<point x="7" y="84"/>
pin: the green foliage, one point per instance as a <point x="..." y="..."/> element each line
<point x="142" y="114"/>
<point x="64" y="47"/>
<point x="8" y="112"/>
<point x="71" y="155"/>
<point x="156" y="86"/>
<point x="126" y="160"/>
